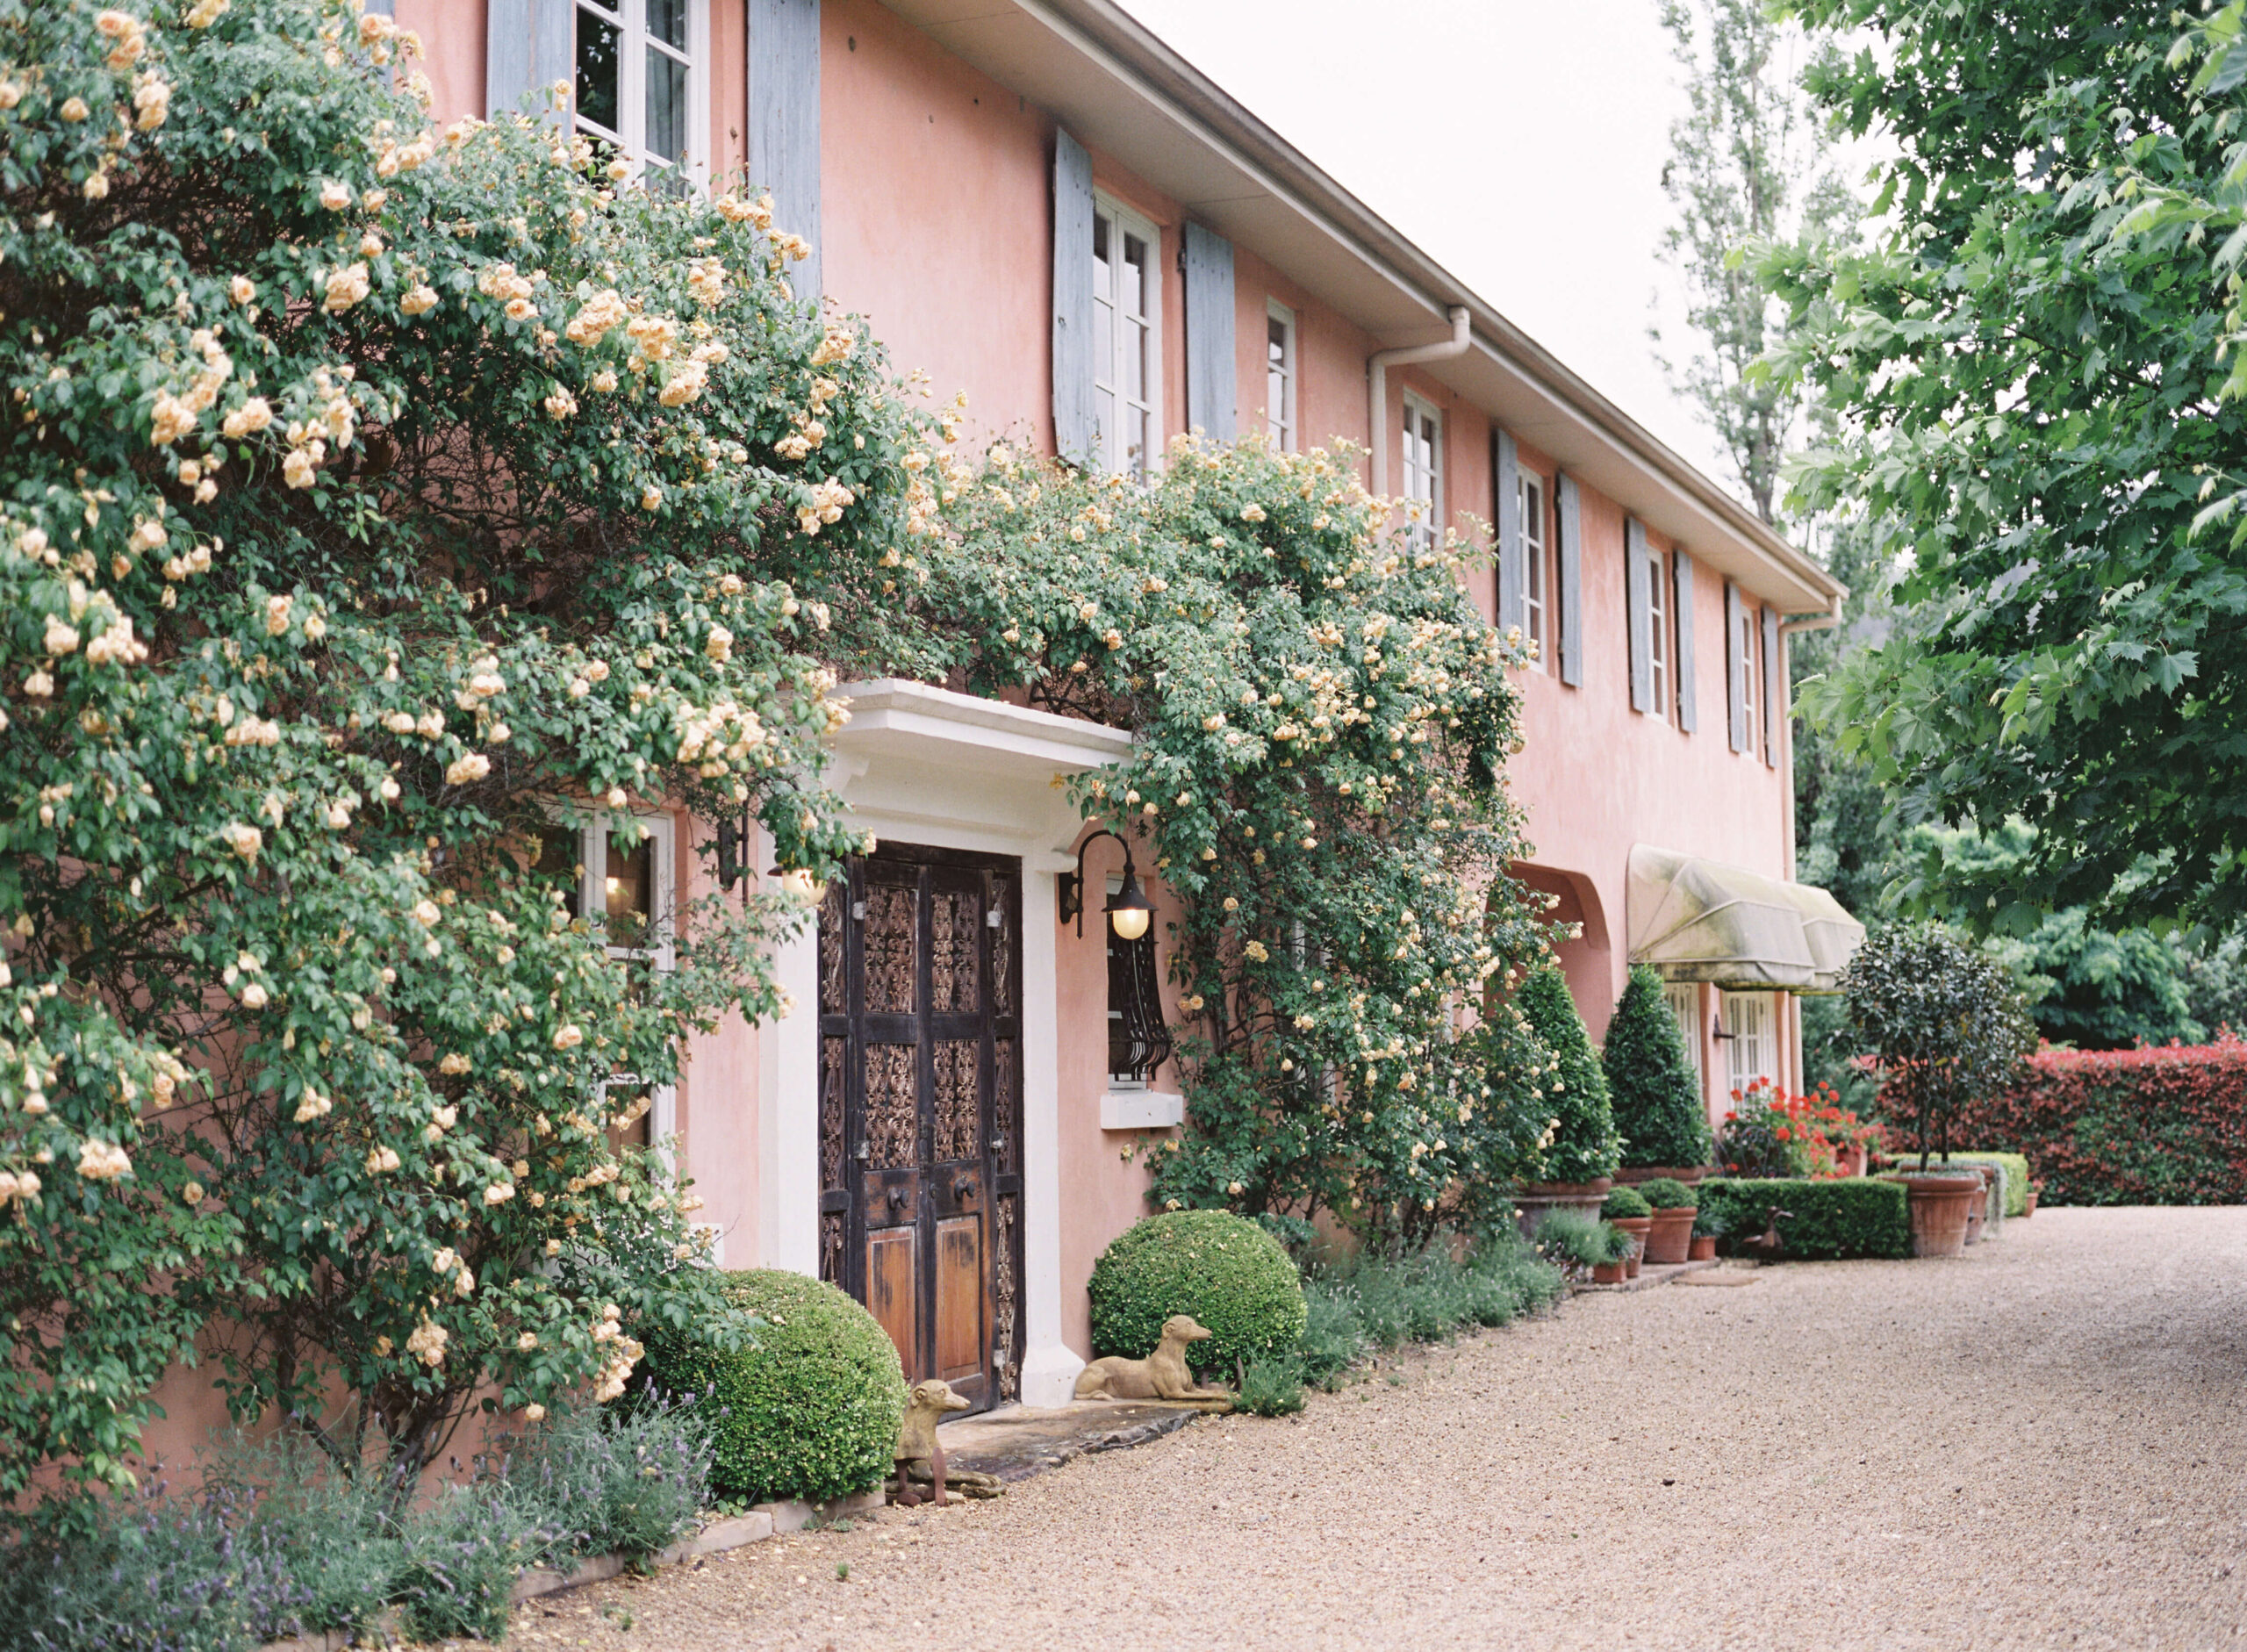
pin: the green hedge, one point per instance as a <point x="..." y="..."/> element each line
<point x="1223" y="1269"/>
<point x="811" y="1410"/>
<point x="1849" y="1217"/>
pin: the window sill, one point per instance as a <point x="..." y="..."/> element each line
<point x="1141" y="1109"/>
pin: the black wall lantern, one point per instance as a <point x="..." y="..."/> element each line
<point x="1129" y="910"/>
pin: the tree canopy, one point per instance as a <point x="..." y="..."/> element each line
<point x="2038" y="394"/>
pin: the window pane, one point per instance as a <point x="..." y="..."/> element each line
<point x="666" y="106"/>
<point x="1134" y="358"/>
<point x="1102" y="280"/>
<point x="630" y="882"/>
<point x="1135" y="456"/>
<point x="1106" y="433"/>
<point x="1133" y="296"/>
<point x="667" y="22"/>
<point x="1275" y="342"/>
<point x="558" y="857"/>
<point x="624" y="1097"/>
<point x="597" y="81"/>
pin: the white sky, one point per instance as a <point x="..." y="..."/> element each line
<point x="1520" y="142"/>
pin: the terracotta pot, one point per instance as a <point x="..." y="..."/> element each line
<point x="1608" y="1273"/>
<point x="1672" y="1235"/>
<point x="1939" y="1206"/>
<point x="1851" y="1161"/>
<point x="1539" y="1199"/>
<point x="1689" y="1174"/>
<point x="2031" y="1208"/>
<point x="1637" y="1227"/>
<point x="1703" y="1249"/>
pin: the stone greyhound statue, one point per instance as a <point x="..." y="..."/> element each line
<point x="1162" y="1375"/>
<point x="920" y="1454"/>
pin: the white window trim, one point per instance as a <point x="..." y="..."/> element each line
<point x="1752" y="1052"/>
<point x="662" y="901"/>
<point x="1536" y="610"/>
<point x="1750" y="628"/>
<point x="1124" y="221"/>
<point x="1279" y="422"/>
<point x="1428" y="533"/>
<point x="631" y="16"/>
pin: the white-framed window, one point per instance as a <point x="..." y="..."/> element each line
<point x="1752" y="1052"/>
<point x="1658" y="609"/>
<point x="642" y="85"/>
<point x="1684" y="999"/>
<point x="1126" y="338"/>
<point x="1422" y="471"/>
<point x="626" y="883"/>
<point x="1535" y="610"/>
<point x="1749" y="678"/>
<point x="1280" y="375"/>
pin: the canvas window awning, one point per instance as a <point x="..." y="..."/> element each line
<point x="1701" y="920"/>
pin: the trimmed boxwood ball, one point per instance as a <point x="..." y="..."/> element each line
<point x="1223" y="1269"/>
<point x="1651" y="1085"/>
<point x="1666" y="1193"/>
<point x="1622" y="1204"/>
<point x="811" y="1411"/>
<point x="1583" y="1148"/>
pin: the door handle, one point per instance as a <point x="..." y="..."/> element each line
<point x="898" y="1199"/>
<point x="963" y="1187"/>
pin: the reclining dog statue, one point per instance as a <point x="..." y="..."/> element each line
<point x="920" y="1454"/>
<point x="1162" y="1375"/>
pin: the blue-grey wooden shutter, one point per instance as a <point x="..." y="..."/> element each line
<point x="1570" y="504"/>
<point x="529" y="44"/>
<point x="1211" y="377"/>
<point x="381" y="8"/>
<point x="1771" y="695"/>
<point x="1688" y="715"/>
<point x="1736" y="668"/>
<point x="1072" y="340"/>
<point x="784" y="122"/>
<point x="1507" y="484"/>
<point x="1639" y="590"/>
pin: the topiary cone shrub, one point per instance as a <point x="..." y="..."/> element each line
<point x="1651" y="1087"/>
<point x="1223" y="1269"/>
<point x="1583" y="1148"/>
<point x="809" y="1410"/>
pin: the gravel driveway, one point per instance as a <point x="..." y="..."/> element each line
<point x="2039" y="1445"/>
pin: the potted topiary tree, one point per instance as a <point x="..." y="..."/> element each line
<point x="1627" y="1209"/>
<point x="1670" y="1238"/>
<point x="1652" y="1089"/>
<point x="1947" y="1022"/>
<point x="1580" y="1149"/>
<point x="1709" y="1226"/>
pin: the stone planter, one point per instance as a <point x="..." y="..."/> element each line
<point x="1940" y="1208"/>
<point x="1637" y="1227"/>
<point x="1672" y="1236"/>
<point x="1703" y="1249"/>
<point x="1534" y="1202"/>
<point x="1689" y="1174"/>
<point x="1977" y="1210"/>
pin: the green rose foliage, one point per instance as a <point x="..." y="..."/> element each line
<point x="1226" y="1271"/>
<point x="1651" y="1088"/>
<point x="1583" y="1145"/>
<point x="1323" y="718"/>
<point x="374" y="497"/>
<point x="2038" y="390"/>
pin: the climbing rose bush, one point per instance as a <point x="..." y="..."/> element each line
<point x="1322" y="722"/>
<point x="377" y="498"/>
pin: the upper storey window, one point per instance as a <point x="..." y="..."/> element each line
<point x="1424" y="471"/>
<point x="1126" y="338"/>
<point x="641" y="75"/>
<point x="1536" y="606"/>
<point x="1280" y="375"/>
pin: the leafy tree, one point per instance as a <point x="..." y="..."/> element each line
<point x="1748" y="162"/>
<point x="1651" y="1088"/>
<point x="1945" y="1020"/>
<point x="1322" y="719"/>
<point x="2034" y="371"/>
<point x="373" y="499"/>
<point x="1580" y="1142"/>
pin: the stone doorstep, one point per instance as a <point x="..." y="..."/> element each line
<point x="1649" y="1277"/>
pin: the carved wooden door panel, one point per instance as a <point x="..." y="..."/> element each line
<point x="919" y="1088"/>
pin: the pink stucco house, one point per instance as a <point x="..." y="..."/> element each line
<point x="1038" y="203"/>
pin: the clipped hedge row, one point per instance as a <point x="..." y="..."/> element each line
<point x="2164" y="1125"/>
<point x="1827" y="1221"/>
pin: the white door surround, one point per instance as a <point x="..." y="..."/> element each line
<point x="925" y="765"/>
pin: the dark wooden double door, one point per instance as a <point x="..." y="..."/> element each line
<point x="919" y="1122"/>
